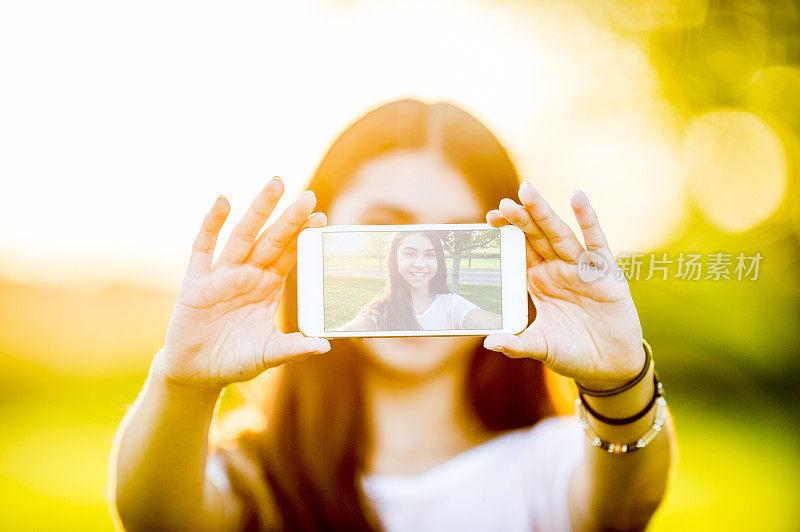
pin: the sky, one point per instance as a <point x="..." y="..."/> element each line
<point x="124" y="121"/>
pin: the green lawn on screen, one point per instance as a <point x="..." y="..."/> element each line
<point x="345" y="296"/>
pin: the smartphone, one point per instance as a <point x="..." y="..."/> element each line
<point x="411" y="280"/>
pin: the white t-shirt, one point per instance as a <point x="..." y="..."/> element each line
<point x="514" y="482"/>
<point x="446" y="312"/>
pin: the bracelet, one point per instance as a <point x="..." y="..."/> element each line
<point x="624" y="421"/>
<point x="648" y="352"/>
<point x="623" y="448"/>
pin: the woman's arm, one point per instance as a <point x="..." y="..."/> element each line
<point x="621" y="492"/>
<point x="359" y="323"/>
<point x="221" y="331"/>
<point x="482" y="319"/>
<point x="587" y="328"/>
<point x="158" y="473"/>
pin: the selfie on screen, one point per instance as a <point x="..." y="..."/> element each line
<point x="407" y="280"/>
<point x="400" y="281"/>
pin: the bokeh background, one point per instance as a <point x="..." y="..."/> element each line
<point x="121" y="122"/>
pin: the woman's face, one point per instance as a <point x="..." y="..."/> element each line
<point x="410" y="187"/>
<point x="416" y="260"/>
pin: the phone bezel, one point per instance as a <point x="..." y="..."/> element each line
<point x="310" y="305"/>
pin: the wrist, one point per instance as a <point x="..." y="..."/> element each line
<point x="608" y="386"/>
<point x="162" y="376"/>
<point x="624" y="440"/>
<point x="623" y="405"/>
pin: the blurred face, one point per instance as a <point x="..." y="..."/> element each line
<point x="410" y="187"/>
<point x="416" y="260"/>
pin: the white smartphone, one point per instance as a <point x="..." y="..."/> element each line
<point x="411" y="280"/>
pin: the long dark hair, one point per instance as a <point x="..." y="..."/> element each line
<point x="393" y="308"/>
<point x="316" y="441"/>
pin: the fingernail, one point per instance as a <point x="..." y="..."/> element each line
<point x="276" y="178"/>
<point x="316" y="217"/>
<point x="525" y="184"/>
<point x="221" y="196"/>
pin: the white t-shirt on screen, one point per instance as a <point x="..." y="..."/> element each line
<point x="446" y="312"/>
<point x="514" y="482"/>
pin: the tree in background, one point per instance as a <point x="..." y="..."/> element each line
<point x="460" y="243"/>
<point x="377" y="244"/>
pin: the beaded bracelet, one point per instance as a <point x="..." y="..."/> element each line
<point x="623" y="448"/>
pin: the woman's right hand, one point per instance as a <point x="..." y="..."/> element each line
<point x="222" y="328"/>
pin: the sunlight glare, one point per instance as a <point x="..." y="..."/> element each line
<point x="122" y="136"/>
<point x="738" y="168"/>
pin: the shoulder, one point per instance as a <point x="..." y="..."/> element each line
<point x="454" y="299"/>
<point x="372" y="304"/>
<point x="372" y="309"/>
<point x="459" y="305"/>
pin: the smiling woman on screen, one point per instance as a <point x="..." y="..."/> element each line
<point x="415" y="433"/>
<point x="416" y="295"/>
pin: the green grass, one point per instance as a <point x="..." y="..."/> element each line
<point x="70" y="363"/>
<point x="54" y="450"/>
<point x="485" y="296"/>
<point x="345" y="296"/>
<point x="736" y="470"/>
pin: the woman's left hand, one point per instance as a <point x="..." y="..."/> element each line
<point x="589" y="329"/>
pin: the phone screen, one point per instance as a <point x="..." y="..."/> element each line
<point x="412" y="280"/>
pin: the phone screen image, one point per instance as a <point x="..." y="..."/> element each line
<point x="428" y="280"/>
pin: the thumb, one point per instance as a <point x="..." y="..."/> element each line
<point x="529" y="344"/>
<point x="295" y="345"/>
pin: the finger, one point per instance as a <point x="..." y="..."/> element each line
<point x="531" y="257"/>
<point x="286" y="260"/>
<point x="206" y="240"/>
<point x="519" y="216"/>
<point x="558" y="233"/>
<point x="285" y="346"/>
<point x="244" y="234"/>
<point x="278" y="235"/>
<point x="495" y="219"/>
<point x="528" y="344"/>
<point x="593" y="235"/>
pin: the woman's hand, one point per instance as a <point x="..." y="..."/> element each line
<point x="222" y="328"/>
<point x="586" y="330"/>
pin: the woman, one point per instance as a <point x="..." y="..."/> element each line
<point x="416" y="295"/>
<point x="419" y="433"/>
